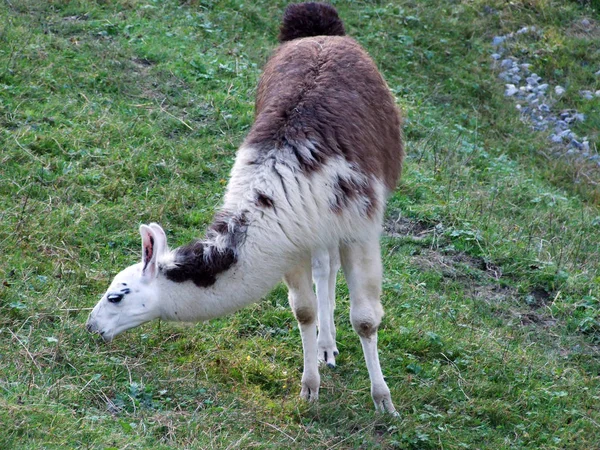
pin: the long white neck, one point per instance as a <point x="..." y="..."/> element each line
<point x="254" y="274"/>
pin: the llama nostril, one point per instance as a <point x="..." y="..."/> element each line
<point x="88" y="326"/>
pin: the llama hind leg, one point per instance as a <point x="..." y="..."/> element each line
<point x="361" y="262"/>
<point x="304" y="305"/>
<point x="325" y="265"/>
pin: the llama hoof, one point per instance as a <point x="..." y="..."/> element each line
<point x="327" y="355"/>
<point x="310" y="390"/>
<point x="309" y="395"/>
<point x="386" y="407"/>
<point x="384" y="404"/>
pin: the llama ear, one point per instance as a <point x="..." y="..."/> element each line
<point x="161" y="238"/>
<point x="150" y="250"/>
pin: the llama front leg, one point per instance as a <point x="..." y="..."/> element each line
<point x="325" y="265"/>
<point x="363" y="271"/>
<point x="304" y="305"/>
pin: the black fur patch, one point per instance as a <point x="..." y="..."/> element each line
<point x="347" y="190"/>
<point x="263" y="200"/>
<point x="201" y="261"/>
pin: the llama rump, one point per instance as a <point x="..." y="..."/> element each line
<point x="306" y="195"/>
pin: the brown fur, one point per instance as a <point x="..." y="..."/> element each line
<point x="305" y="315"/>
<point x="327" y="90"/>
<point x="310" y="19"/>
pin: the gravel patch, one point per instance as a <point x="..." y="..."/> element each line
<point x="535" y="99"/>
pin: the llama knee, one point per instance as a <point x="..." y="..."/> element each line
<point x="365" y="321"/>
<point x="305" y="314"/>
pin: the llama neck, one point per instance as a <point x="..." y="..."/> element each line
<point x="258" y="264"/>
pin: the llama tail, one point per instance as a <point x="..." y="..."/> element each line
<point x="310" y="19"/>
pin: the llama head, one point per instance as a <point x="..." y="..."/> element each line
<point x="133" y="297"/>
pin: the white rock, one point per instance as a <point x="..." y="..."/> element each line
<point x="559" y="90"/>
<point x="511" y="90"/>
<point x="498" y="40"/>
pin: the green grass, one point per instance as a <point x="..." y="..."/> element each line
<point x="114" y="113"/>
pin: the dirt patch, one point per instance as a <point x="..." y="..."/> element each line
<point x="457" y="265"/>
<point x="493" y="293"/>
<point x="142" y="62"/>
<point x="76" y="18"/>
<point x="520" y="312"/>
<point x="403" y="227"/>
<point x="586" y="28"/>
<point x="538" y="297"/>
<point x="533" y="318"/>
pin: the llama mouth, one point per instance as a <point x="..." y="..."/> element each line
<point x="102" y="334"/>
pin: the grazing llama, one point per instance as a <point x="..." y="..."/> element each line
<point x="307" y="194"/>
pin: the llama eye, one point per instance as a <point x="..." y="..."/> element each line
<point x="115" y="298"/>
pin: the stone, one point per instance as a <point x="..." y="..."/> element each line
<point x="498" y="40"/>
<point x="505" y="76"/>
<point x="511" y="90"/>
<point x="575" y="143"/>
<point x="561" y="125"/>
<point x="586" y="94"/>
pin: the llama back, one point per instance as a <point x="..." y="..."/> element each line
<point x="325" y="93"/>
<point x="325" y="149"/>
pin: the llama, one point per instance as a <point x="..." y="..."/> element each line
<point x="306" y="195"/>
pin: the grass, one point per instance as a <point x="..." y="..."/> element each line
<point x="114" y="113"/>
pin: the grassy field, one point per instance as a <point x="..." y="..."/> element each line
<point x="114" y="113"/>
